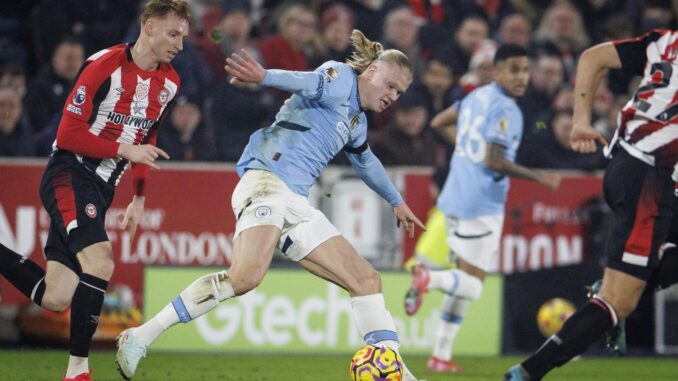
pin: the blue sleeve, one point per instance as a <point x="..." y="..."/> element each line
<point x="372" y="172"/>
<point x="329" y="81"/>
<point x="306" y="84"/>
<point x="502" y="126"/>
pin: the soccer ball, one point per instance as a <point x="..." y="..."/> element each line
<point x="376" y="363"/>
<point x="553" y="314"/>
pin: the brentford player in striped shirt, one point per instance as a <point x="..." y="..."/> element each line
<point x="638" y="186"/>
<point x="110" y="120"/>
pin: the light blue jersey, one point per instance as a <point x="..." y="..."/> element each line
<point x="486" y="115"/>
<point x="321" y="118"/>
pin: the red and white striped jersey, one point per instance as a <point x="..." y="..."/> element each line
<point x="114" y="101"/>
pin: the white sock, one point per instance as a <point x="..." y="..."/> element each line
<point x="456" y="283"/>
<point x="200" y="297"/>
<point x="76" y="366"/>
<point x="454" y="310"/>
<point x="375" y="324"/>
<point x="153" y="328"/>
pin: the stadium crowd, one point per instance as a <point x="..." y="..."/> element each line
<point x="451" y="44"/>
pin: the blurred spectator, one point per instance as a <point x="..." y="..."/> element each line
<point x="197" y="80"/>
<point x="12" y="49"/>
<point x="235" y="112"/>
<point x="547" y="75"/>
<point x="550" y="148"/>
<point x="293" y="45"/>
<point x="561" y="29"/>
<point x="603" y="100"/>
<point x="515" y="29"/>
<point x="480" y="70"/>
<point x="595" y="14"/>
<point x="205" y="15"/>
<point x="405" y="141"/>
<point x="618" y="27"/>
<point x="401" y="31"/>
<point x="15" y="77"/>
<point x="437" y="82"/>
<point x="563" y="99"/>
<point x="100" y="23"/>
<point x="47" y="92"/>
<point x="232" y="33"/>
<point x="608" y="125"/>
<point x="370" y="14"/>
<point x="183" y="135"/>
<point x="289" y="48"/>
<point x="656" y="14"/>
<point x="15" y="136"/>
<point x="493" y="11"/>
<point x="336" y="24"/>
<point x="471" y="32"/>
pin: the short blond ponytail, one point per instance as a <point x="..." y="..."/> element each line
<point x="367" y="51"/>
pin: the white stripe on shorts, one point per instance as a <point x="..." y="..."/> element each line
<point x="635" y="259"/>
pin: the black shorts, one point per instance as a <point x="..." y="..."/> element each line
<point x="77" y="201"/>
<point x="641" y="197"/>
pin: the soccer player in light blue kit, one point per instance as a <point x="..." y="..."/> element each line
<point x="489" y="128"/>
<point x="324" y="116"/>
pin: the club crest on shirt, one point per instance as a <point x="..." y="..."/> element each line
<point x="163" y="96"/>
<point x="354" y="121"/>
<point x="262" y="211"/>
<point x="141" y="91"/>
<point x="503" y="125"/>
<point x="79" y="97"/>
<point x="91" y="210"/>
<point x="331" y="73"/>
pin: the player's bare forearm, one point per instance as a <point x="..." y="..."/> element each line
<point x="590" y="68"/>
<point x="497" y="161"/>
<point x="444" y="124"/>
<point x="444" y="118"/>
<point x="449" y="133"/>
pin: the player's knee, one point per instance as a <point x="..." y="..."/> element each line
<point x="475" y="288"/>
<point x="466" y="286"/>
<point x="243" y="284"/>
<point x="56" y="302"/>
<point x="97" y="260"/>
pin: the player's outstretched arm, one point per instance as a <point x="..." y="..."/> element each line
<point x="592" y="64"/>
<point x="496" y="160"/>
<point x="141" y="154"/>
<point x="244" y="68"/>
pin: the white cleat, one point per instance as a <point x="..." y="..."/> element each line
<point x="130" y="352"/>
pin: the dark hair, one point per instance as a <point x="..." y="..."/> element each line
<point x="506" y="51"/>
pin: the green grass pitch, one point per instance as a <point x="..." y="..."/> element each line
<point x="50" y="365"/>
